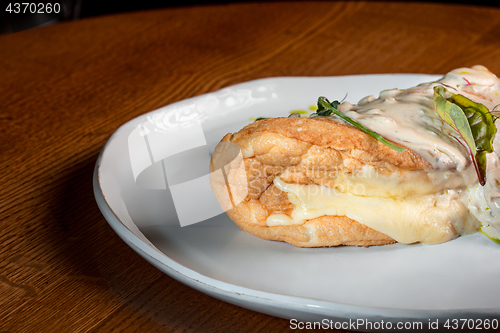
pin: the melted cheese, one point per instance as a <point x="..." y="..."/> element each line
<point x="431" y="206"/>
<point x="431" y="218"/>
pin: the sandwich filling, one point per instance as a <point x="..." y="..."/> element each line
<point x="431" y="206"/>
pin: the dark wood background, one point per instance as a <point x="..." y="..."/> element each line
<point x="77" y="9"/>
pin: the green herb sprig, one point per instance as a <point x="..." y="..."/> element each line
<point x="327" y="108"/>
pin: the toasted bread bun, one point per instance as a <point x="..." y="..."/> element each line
<point x="298" y="151"/>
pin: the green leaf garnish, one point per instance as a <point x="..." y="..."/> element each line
<point x="325" y="109"/>
<point x="473" y="122"/>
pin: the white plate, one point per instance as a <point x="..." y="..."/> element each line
<point x="458" y="279"/>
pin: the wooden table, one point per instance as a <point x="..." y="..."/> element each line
<point x="64" y="89"/>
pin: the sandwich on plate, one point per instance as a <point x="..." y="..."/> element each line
<point x="418" y="165"/>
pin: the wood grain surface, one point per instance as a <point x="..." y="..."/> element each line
<point x="64" y="89"/>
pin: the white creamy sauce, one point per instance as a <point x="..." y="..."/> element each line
<point x="431" y="206"/>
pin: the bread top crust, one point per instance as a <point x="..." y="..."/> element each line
<point x="308" y="151"/>
<point x="302" y="133"/>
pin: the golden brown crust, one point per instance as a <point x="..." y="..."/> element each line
<point x="325" y="132"/>
<point x="276" y="201"/>
<point x="302" y="151"/>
